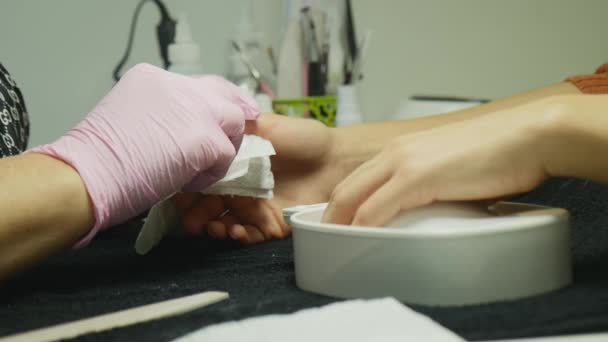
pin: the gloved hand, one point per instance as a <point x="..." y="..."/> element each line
<point x="154" y="134"/>
<point x="310" y="161"/>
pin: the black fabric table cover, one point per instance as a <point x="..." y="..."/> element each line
<point x="109" y="276"/>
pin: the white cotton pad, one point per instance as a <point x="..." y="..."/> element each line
<point x="249" y="175"/>
<point x="444" y="254"/>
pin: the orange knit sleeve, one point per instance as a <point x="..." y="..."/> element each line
<point x="592" y="84"/>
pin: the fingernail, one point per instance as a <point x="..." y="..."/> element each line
<point x="233" y="232"/>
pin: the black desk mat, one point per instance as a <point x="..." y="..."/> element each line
<point x="109" y="276"/>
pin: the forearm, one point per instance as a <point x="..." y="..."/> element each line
<point x="357" y="144"/>
<point x="45" y="208"/>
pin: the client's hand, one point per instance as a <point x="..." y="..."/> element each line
<point x="491" y="156"/>
<point x="154" y="134"/>
<point x="305" y="172"/>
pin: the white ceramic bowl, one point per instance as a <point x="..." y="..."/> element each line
<point x="441" y="255"/>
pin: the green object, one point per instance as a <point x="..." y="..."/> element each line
<point x="322" y="108"/>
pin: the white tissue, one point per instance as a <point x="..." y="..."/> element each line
<point x="378" y="320"/>
<point x="249" y="175"/>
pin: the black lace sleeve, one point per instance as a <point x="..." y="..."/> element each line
<point x="14" y="123"/>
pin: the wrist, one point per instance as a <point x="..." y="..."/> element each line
<point x="552" y="131"/>
<point x="48" y="210"/>
<point x="64" y="184"/>
<point x="97" y="169"/>
<point x="576" y="138"/>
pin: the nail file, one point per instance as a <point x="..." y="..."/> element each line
<point x="119" y="319"/>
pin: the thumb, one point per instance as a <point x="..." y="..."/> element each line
<point x="217" y="169"/>
<point x="263" y="125"/>
<point x="231" y="119"/>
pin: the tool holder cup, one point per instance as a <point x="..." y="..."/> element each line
<point x="321" y="108"/>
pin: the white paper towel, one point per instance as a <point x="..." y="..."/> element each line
<point x="249" y="175"/>
<point x="378" y="320"/>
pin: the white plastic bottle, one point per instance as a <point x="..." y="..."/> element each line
<point x="348" y="112"/>
<point x="184" y="53"/>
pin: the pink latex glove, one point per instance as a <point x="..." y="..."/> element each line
<point x="155" y="133"/>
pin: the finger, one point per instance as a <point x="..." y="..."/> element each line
<point x="232" y="121"/>
<point x="254" y="234"/>
<point x="245" y="234"/>
<point x="386" y="203"/>
<point x="184" y="201"/>
<point x="270" y="220"/>
<point x="237" y="232"/>
<point x="358" y="186"/>
<point x="265" y="123"/>
<point x="219" y="229"/>
<point x="204" y="211"/>
<point x="210" y="174"/>
<point x="285" y="229"/>
<point x="259" y="213"/>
